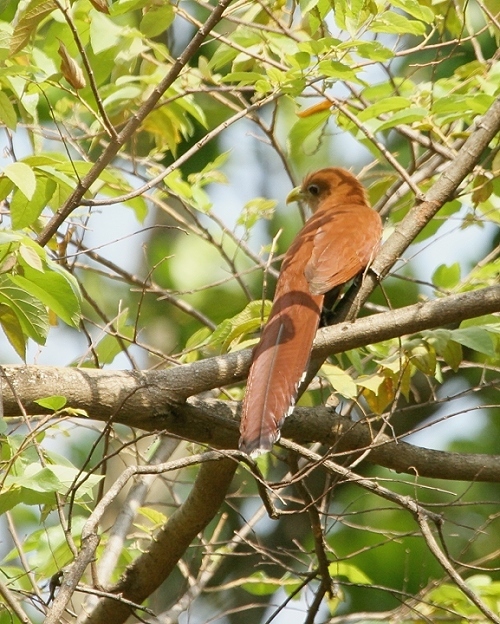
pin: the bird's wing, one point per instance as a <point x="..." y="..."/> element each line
<point x="344" y="243"/>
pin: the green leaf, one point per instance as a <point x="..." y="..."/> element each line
<point x="155" y="517"/>
<point x="30" y="257"/>
<point x="445" y="346"/>
<point x="125" y="6"/>
<point x="157" y="20"/>
<point x="490" y="322"/>
<point x="6" y="187"/>
<point x="67" y="475"/>
<point x="36" y="477"/>
<point x="26" y="211"/>
<point x="111" y="344"/>
<point x="194" y="343"/>
<point x="415" y="9"/>
<point x="374" y="51"/>
<point x="424" y="358"/>
<point x="54" y="288"/>
<point x="104" y="33"/>
<point x="396" y="24"/>
<point x="259" y="584"/>
<point x="475" y="338"/>
<point x="30" y="312"/>
<point x="22" y="176"/>
<point x="336" y="69"/>
<point x="7" y="112"/>
<point x="55" y="402"/>
<point x="405" y="116"/>
<point x="242" y="78"/>
<point x="256" y="209"/>
<point x="48" y="547"/>
<point x="386" y="105"/>
<point x="452" y="354"/>
<point x="447" y="277"/>
<point x="433" y="226"/>
<point x="349" y="571"/>
<point x="303" y="128"/>
<point x="37" y="485"/>
<point x="229" y="333"/>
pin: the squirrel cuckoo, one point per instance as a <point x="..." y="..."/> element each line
<point x="335" y="244"/>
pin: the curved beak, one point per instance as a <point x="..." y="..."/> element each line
<point x="295" y="195"/>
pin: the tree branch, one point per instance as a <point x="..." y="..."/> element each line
<point x="487" y="127"/>
<point x="135" y="121"/>
<point x="155" y="400"/>
<point x="420" y="513"/>
<point x="149" y="570"/>
<point x="150" y="399"/>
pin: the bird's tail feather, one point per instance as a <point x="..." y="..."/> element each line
<point x="278" y="364"/>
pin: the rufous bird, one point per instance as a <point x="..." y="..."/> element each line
<point x="337" y="243"/>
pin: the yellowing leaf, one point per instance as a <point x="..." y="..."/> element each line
<point x="13" y="330"/>
<point x="340" y="381"/>
<point x="483" y="188"/>
<point x="424" y="358"/>
<point x="22" y="176"/>
<point x="378" y="390"/>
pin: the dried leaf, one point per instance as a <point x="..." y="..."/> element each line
<point x="70" y="69"/>
<point x="317" y="108"/>
<point x="28" y="22"/>
<point x="100" y="5"/>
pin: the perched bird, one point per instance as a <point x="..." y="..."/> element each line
<point x="335" y="244"/>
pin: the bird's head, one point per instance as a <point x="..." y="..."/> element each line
<point x="332" y="182"/>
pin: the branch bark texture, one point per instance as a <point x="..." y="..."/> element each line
<point x="150" y="399"/>
<point x="138" y="582"/>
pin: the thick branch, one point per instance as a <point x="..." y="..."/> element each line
<point x="150" y="399"/>
<point x="150" y="570"/>
<point x="154" y="400"/>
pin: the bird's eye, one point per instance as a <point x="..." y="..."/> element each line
<point x="313" y="189"/>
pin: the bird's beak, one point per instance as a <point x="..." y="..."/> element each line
<point x="295" y="194"/>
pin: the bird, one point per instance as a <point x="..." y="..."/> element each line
<point x="336" y="243"/>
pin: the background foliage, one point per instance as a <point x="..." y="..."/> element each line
<point x="148" y="147"/>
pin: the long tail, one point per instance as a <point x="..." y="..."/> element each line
<point x="279" y="362"/>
